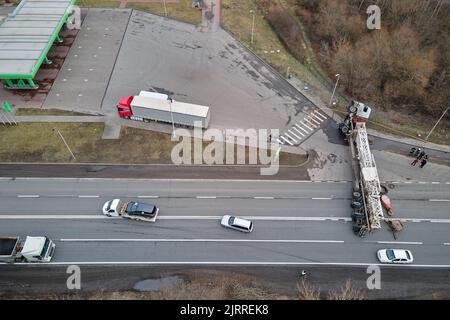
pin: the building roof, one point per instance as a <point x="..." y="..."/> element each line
<point x="27" y="34"/>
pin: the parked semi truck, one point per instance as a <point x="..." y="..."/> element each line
<point x="33" y="249"/>
<point x="155" y="106"/>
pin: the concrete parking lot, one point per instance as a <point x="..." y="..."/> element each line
<point x="119" y="52"/>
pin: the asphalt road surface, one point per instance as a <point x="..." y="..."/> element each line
<point x="296" y="222"/>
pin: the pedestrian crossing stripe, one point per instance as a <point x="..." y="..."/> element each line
<point x="294" y="134"/>
<point x="303" y="128"/>
<point x="298" y="131"/>
<point x="314" y="120"/>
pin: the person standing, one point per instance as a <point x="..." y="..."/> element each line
<point x="424" y="162"/>
<point x="421" y="155"/>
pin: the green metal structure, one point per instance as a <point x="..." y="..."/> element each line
<point x="26" y="37"/>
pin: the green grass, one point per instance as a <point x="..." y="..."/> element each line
<point x="98" y="3"/>
<point x="37" y="142"/>
<point x="46" y="112"/>
<point x="181" y="11"/>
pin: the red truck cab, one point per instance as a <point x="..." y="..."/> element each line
<point x="124" y="107"/>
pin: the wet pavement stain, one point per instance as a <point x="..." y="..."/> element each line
<point x="158" y="284"/>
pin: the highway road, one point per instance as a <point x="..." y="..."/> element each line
<point x="296" y="222"/>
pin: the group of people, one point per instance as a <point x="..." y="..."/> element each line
<point x="420" y="156"/>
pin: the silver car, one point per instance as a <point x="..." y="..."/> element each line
<point x="236" y="223"/>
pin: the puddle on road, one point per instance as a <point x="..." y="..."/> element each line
<point x="158" y="284"/>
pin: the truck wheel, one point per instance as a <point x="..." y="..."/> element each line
<point x="356" y="229"/>
<point x="356" y="205"/>
<point x="352" y="108"/>
<point x="345" y="129"/>
<point x="357" y="196"/>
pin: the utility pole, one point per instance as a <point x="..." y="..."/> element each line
<point x="432" y="129"/>
<point x="253" y="25"/>
<point x="165" y="8"/>
<point x="64" y="140"/>
<point x="171" y="116"/>
<point x="332" y="96"/>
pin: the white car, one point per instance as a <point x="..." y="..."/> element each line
<point x="236" y="223"/>
<point x="110" y="208"/>
<point x="395" y="256"/>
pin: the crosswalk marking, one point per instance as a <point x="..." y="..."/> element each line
<point x="295" y="141"/>
<point x="312" y="124"/>
<point x="318" y="118"/>
<point x="294" y="134"/>
<point x="286" y="140"/>
<point x="294" y="128"/>
<point x="314" y="120"/>
<point x="320" y="115"/>
<point x="311" y="129"/>
<point x="303" y="129"/>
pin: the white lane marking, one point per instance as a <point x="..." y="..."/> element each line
<point x="267" y="198"/>
<point x="446" y="243"/>
<point x="439" y="200"/>
<point x="298" y="131"/>
<point x="58" y="195"/>
<point x="286" y="140"/>
<point x="241" y="263"/>
<point x="291" y="132"/>
<point x="434" y="182"/>
<point x="408" y="182"/>
<point x="398" y="242"/>
<point x="314" y="120"/>
<point x="286" y="134"/>
<point x="206" y="197"/>
<point x="279" y="141"/>
<point x="440" y="220"/>
<point x="150" y="197"/>
<point x="27" y="196"/>
<point x="448" y="182"/>
<point x="320" y="114"/>
<point x="301" y="128"/>
<point x="100" y="216"/>
<point x="422" y="182"/>
<point x="203" y="240"/>
<point x="88" y="196"/>
<point x="52" y="216"/>
<point x="321" y="198"/>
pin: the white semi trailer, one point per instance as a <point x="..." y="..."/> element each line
<point x="152" y="106"/>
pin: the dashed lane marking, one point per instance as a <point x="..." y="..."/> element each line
<point x="400" y="242"/>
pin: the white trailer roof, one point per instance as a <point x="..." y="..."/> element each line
<point x="165" y="105"/>
<point x="26" y="33"/>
